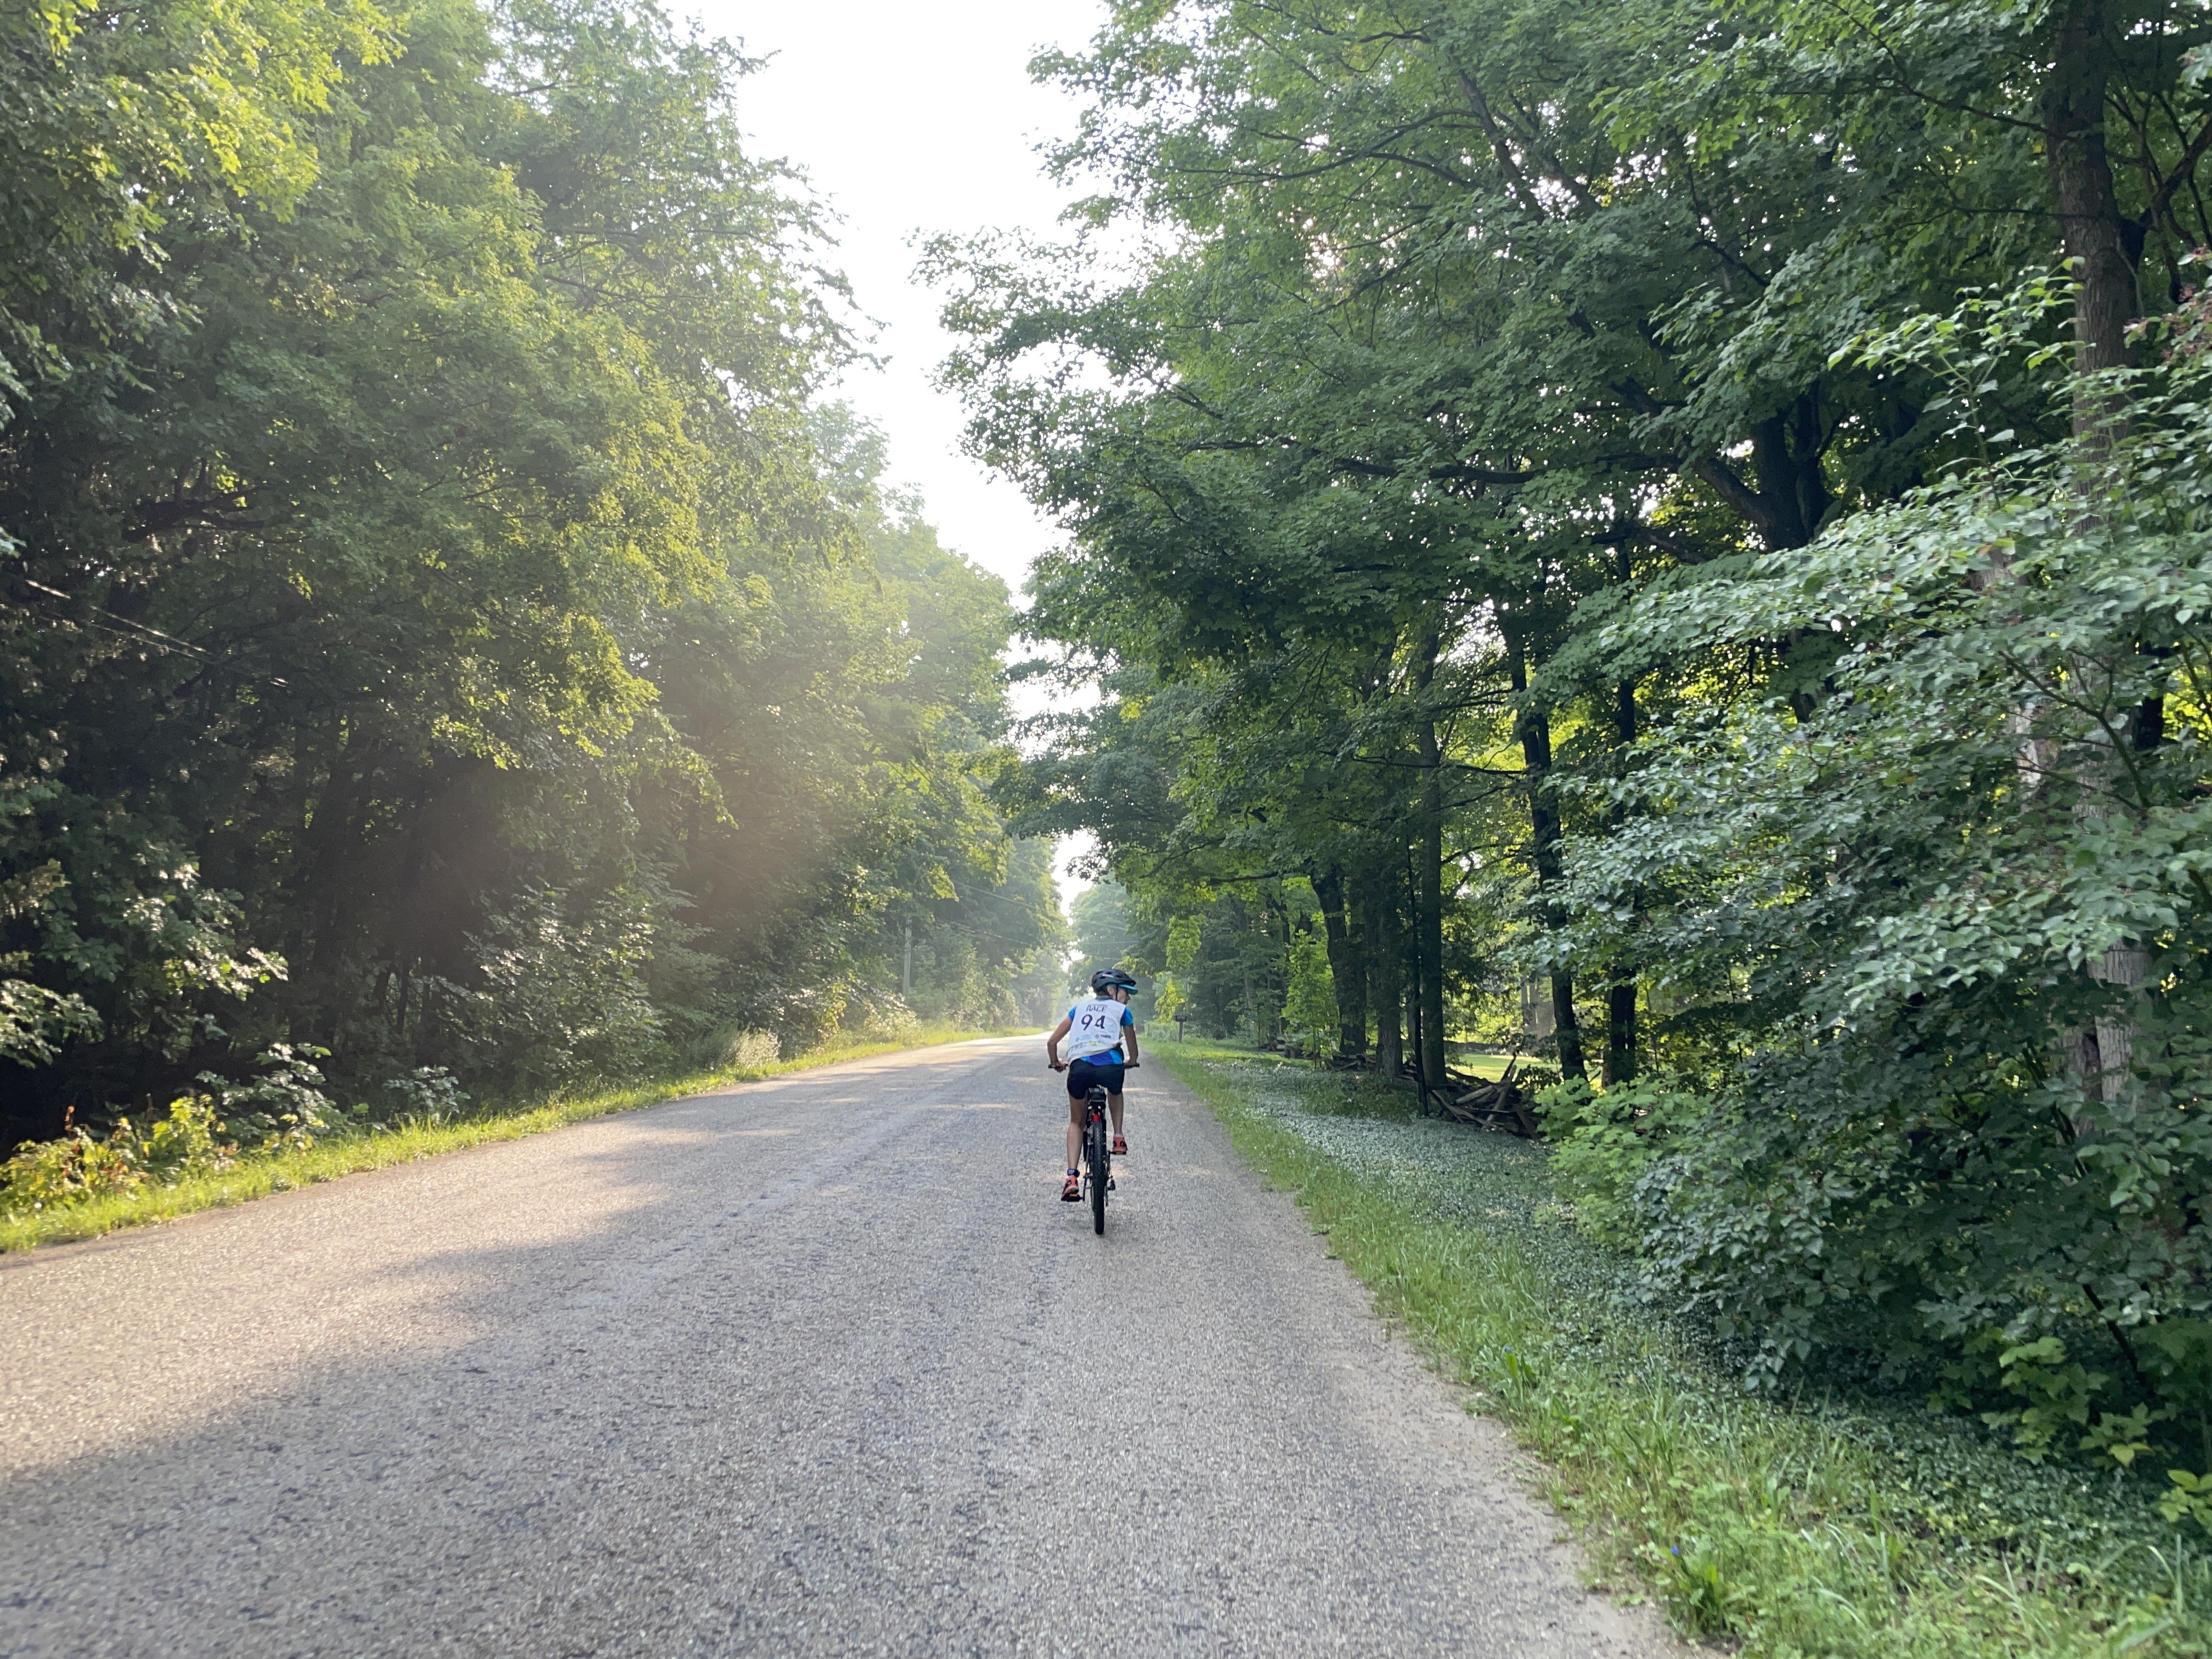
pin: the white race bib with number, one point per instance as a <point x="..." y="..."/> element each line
<point x="1093" y="1028"/>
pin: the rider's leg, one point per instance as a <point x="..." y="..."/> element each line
<point x="1077" y="1109"/>
<point x="1114" y="1106"/>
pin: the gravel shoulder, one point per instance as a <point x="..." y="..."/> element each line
<point x="812" y="1365"/>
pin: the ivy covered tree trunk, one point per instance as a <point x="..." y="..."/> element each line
<point x="1346" y="971"/>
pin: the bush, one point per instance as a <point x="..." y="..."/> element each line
<point x="190" y="1140"/>
<point x="882" y="1017"/>
<point x="48" y="1172"/>
<point x="428" y="1094"/>
<point x="562" y="996"/>
<point x="752" y="1051"/>
<point x="282" y="1110"/>
<point x="1604" y="1143"/>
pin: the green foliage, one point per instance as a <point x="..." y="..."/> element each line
<point x="1830" y="1522"/>
<point x="1921" y="891"/>
<point x="441" y="624"/>
<point x="561" y="994"/>
<point x="1310" y="996"/>
<point x="44" y="1173"/>
<point x="282" y="1110"/>
<point x="2190" y="1499"/>
<point x="1631" y="503"/>
<point x="1603" y="1144"/>
<point x="750" y="1050"/>
<point x="428" y="1093"/>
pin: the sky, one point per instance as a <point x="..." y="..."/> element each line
<point x="913" y="119"/>
<point x="910" y="119"/>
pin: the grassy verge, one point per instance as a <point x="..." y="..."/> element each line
<point x="1838" y="1525"/>
<point x="405" y="1141"/>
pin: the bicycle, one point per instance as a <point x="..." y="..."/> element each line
<point x="1098" y="1152"/>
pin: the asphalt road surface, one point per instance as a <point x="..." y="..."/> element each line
<point x="819" y="1365"/>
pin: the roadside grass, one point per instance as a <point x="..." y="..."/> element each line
<point x="409" y="1139"/>
<point x="1832" y="1525"/>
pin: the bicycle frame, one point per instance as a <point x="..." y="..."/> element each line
<point x="1097" y="1151"/>
<point x="1098" y="1154"/>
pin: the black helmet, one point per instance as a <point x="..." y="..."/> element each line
<point x="1112" y="979"/>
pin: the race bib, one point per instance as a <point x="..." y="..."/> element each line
<point x="1093" y="1028"/>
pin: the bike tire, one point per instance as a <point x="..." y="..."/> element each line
<point x="1101" y="1171"/>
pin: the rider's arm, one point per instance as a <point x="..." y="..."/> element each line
<point x="1129" y="1036"/>
<point x="1052" y="1043"/>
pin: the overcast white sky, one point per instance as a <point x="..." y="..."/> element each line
<point x="915" y="118"/>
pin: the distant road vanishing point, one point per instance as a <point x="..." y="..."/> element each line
<point x="818" y="1365"/>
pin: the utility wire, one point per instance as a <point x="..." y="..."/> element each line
<point x="160" y="642"/>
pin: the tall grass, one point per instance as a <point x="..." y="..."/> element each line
<point x="408" y="1138"/>
<point x="1784" y="1529"/>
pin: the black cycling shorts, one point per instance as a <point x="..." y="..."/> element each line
<point x="1082" y="1074"/>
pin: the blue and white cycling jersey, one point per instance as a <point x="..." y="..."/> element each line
<point x="1094" y="1031"/>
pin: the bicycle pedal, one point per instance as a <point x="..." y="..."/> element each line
<point x="1109" y="1183"/>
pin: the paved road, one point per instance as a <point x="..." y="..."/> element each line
<point x="814" y="1366"/>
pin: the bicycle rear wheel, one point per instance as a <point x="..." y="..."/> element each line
<point x="1102" y="1164"/>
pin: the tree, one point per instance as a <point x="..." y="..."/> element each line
<point x="440" y="626"/>
<point x="1649" y="419"/>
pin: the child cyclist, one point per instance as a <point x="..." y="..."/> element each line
<point x="1098" y="1032"/>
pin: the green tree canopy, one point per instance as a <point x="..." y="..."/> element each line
<point x="442" y="624"/>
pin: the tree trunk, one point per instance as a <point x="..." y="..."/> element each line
<point x="1386" y="960"/>
<point x="1432" y="904"/>
<point x="2100" y="246"/>
<point x="1621" y="1033"/>
<point x="1345" y="967"/>
<point x="1428" y="875"/>
<point x="2102" y="250"/>
<point x="1535" y="735"/>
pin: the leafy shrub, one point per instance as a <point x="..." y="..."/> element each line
<point x="428" y="1093"/>
<point x="882" y="1017"/>
<point x="1959" y="1016"/>
<point x="44" y="1173"/>
<point x="751" y="1051"/>
<point x="190" y="1140"/>
<point x="560" y="995"/>
<point x="282" y="1110"/>
<point x="1603" y="1144"/>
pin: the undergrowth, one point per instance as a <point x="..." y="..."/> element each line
<point x="405" y="1139"/>
<point x="1830" y="1525"/>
